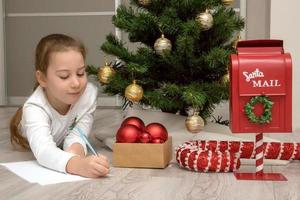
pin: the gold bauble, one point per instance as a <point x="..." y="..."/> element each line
<point x="145" y="2"/>
<point x="194" y="123"/>
<point x="162" y="45"/>
<point x="105" y="73"/>
<point x="205" y="20"/>
<point x="227" y="2"/>
<point x="134" y="92"/>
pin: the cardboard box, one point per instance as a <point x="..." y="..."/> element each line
<point x="144" y="155"/>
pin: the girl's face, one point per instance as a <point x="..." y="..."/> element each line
<point x="65" y="80"/>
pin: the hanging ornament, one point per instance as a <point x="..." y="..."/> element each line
<point x="194" y="123"/>
<point x="134" y="92"/>
<point x="105" y="73"/>
<point x="205" y="20"/>
<point x="162" y="45"/>
<point x="227" y="2"/>
<point x="145" y="2"/>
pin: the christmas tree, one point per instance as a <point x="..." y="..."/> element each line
<point x="183" y="55"/>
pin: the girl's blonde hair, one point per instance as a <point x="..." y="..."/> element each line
<point x="47" y="45"/>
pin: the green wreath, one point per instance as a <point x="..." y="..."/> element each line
<point x="266" y="116"/>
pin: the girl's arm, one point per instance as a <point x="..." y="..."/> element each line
<point x="85" y="109"/>
<point x="90" y="166"/>
<point x="36" y="127"/>
<point x="77" y="149"/>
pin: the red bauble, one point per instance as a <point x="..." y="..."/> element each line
<point x="157" y="131"/>
<point x="157" y="141"/>
<point x="128" y="134"/>
<point x="134" y="121"/>
<point x="145" y="137"/>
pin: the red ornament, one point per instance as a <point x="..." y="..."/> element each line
<point x="145" y="137"/>
<point x="157" y="141"/>
<point x="128" y="134"/>
<point x="157" y="131"/>
<point x="134" y="121"/>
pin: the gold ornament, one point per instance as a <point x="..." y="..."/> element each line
<point x="205" y="20"/>
<point x="134" y="92"/>
<point x="105" y="73"/>
<point x="194" y="123"/>
<point x="145" y="2"/>
<point x="227" y="2"/>
<point x="162" y="45"/>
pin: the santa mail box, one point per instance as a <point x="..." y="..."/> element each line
<point x="261" y="67"/>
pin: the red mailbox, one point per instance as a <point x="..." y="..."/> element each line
<point x="261" y="68"/>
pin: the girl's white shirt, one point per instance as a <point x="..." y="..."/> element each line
<point x="48" y="132"/>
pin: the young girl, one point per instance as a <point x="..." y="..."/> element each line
<point x="62" y="99"/>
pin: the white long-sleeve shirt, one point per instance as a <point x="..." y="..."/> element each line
<point x="48" y="131"/>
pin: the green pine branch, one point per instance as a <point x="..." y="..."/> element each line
<point x="190" y="75"/>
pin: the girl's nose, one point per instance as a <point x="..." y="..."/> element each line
<point x="75" y="82"/>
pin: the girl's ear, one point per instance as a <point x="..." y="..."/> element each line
<point x="40" y="77"/>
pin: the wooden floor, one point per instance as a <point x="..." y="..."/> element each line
<point x="127" y="183"/>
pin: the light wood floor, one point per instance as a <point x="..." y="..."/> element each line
<point x="128" y="183"/>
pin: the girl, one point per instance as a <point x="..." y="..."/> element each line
<point x="62" y="99"/>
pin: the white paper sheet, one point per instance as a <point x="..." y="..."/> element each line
<point x="32" y="172"/>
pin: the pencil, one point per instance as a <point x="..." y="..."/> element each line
<point x="84" y="138"/>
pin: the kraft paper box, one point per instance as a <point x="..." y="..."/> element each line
<point x="144" y="155"/>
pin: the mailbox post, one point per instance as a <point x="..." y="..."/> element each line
<point x="260" y="96"/>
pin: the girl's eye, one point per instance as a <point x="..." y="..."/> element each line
<point x="64" y="77"/>
<point x="81" y="74"/>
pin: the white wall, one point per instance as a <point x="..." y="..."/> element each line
<point x="2" y="69"/>
<point x="40" y="19"/>
<point x="285" y="25"/>
<point x="257" y="19"/>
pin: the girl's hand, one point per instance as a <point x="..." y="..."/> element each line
<point x="90" y="166"/>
